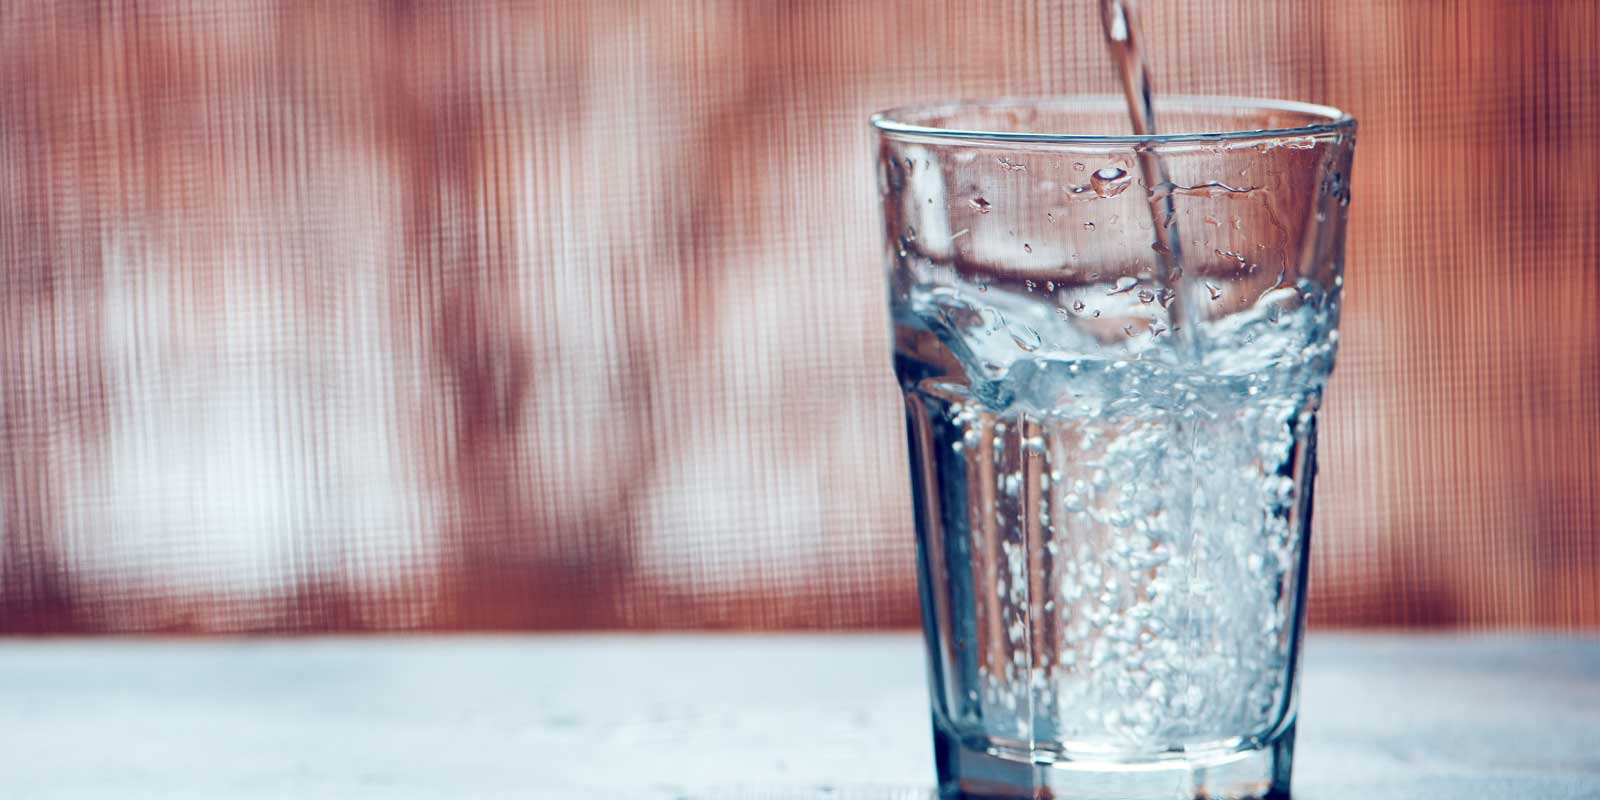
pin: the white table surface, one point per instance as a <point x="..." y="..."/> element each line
<point x="707" y="716"/>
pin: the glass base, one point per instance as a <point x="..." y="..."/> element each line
<point x="967" y="773"/>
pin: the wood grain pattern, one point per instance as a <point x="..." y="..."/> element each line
<point x="510" y="315"/>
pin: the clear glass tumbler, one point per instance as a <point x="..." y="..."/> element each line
<point x="1112" y="350"/>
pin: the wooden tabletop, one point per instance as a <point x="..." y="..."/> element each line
<point x="668" y="716"/>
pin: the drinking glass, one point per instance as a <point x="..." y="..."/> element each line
<point x="1112" y="350"/>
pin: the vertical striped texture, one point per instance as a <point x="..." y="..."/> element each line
<point x="569" y="314"/>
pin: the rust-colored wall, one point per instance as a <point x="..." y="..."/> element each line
<point x="401" y="314"/>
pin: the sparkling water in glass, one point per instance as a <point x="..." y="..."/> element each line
<point x="1111" y="383"/>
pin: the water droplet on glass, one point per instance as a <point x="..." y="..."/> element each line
<point x="1109" y="181"/>
<point x="1077" y="305"/>
<point x="1128" y="329"/>
<point x="1029" y="285"/>
<point x="1146" y="296"/>
<point x="1027" y="248"/>
<point x="1050" y="215"/>
<point x="1079" y="166"/>
<point x="1216" y="292"/>
<point x="1049" y="286"/>
<point x="1025" y="337"/>
<point x="1096" y="314"/>
<point x="981" y="205"/>
<point x="1124" y="285"/>
<point x="1011" y="165"/>
<point x="1088" y="226"/>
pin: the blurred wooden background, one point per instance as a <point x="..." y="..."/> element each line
<point x="399" y="314"/>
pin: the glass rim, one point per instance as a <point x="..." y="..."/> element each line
<point x="891" y="121"/>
